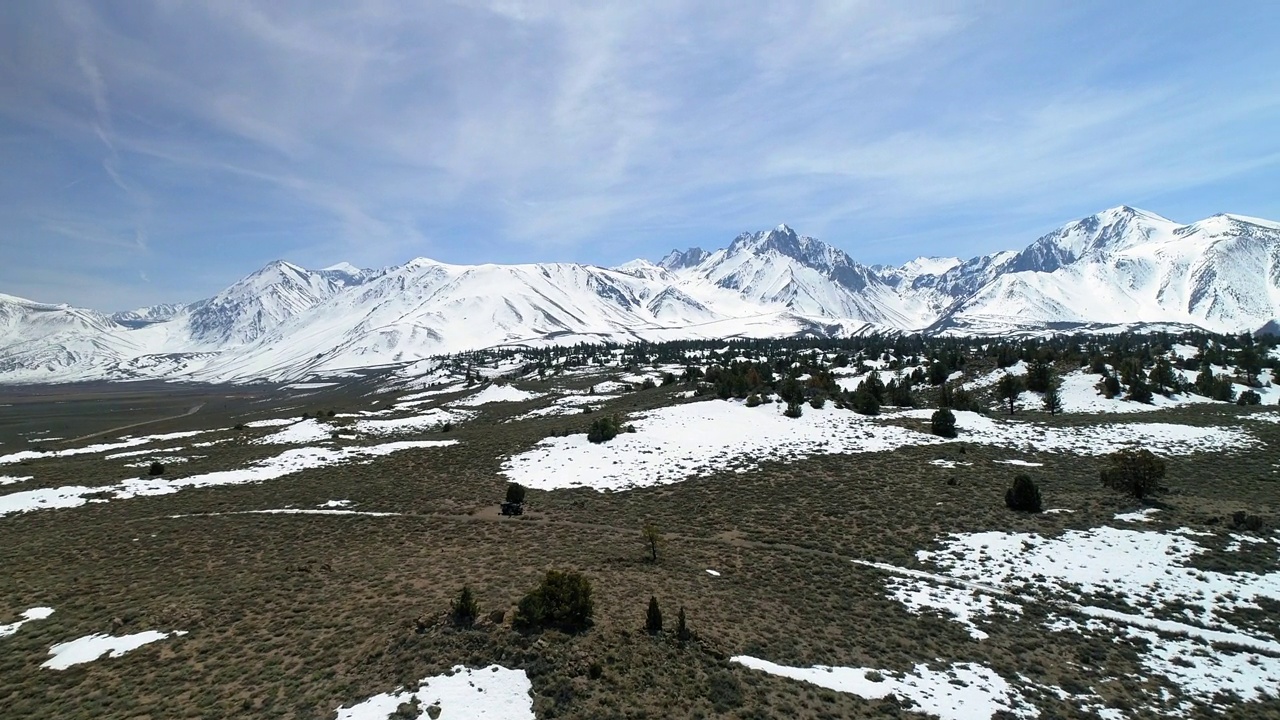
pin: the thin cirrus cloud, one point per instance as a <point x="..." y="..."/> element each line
<point x="163" y="148"/>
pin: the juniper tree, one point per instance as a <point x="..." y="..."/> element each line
<point x="1136" y="472"/>
<point x="653" y="619"/>
<point x="1024" y="496"/>
<point x="465" y="610"/>
<point x="943" y="423"/>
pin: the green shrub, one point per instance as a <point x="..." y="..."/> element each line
<point x="1135" y="472"/>
<point x="817" y="402"/>
<point x="943" y="423"/>
<point x="465" y="610"/>
<point x="515" y="493"/>
<point x="157" y="468"/>
<point x="753" y="400"/>
<point x="653" y="619"/>
<point x="604" y="429"/>
<point x="865" y="403"/>
<point x="1249" y="397"/>
<point x="682" y="628"/>
<point x="1024" y="496"/>
<point x="793" y="410"/>
<point x="648" y="384"/>
<point x="562" y="600"/>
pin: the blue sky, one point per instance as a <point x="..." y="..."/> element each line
<point x="158" y="150"/>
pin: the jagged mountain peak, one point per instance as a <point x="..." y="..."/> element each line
<point x="677" y="260"/>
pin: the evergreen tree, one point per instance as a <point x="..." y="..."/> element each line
<point x="865" y="403"/>
<point x="562" y="600"/>
<point x="465" y="609"/>
<point x="1009" y="389"/>
<point x="682" y="628"/>
<point x="1052" y="400"/>
<point x="1024" y="496"/>
<point x="1039" y="375"/>
<point x="943" y="423"/>
<point x="653" y="619"/>
<point x="793" y="410"/>
<point x="1136" y="472"/>
<point x="515" y="493"/>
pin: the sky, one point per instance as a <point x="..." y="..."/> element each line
<point x="159" y="150"/>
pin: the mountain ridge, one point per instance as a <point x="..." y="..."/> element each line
<point x="1122" y="267"/>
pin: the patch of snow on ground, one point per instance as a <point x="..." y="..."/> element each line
<point x="949" y="464"/>
<point x="491" y="693"/>
<point x="91" y="647"/>
<point x="962" y="604"/>
<point x="675" y="442"/>
<point x="1020" y="463"/>
<point x="963" y="691"/>
<point x="304" y="431"/>
<point x="286" y="463"/>
<point x="35" y="613"/>
<point x="1018" y="369"/>
<point x="163" y="459"/>
<point x="273" y="422"/>
<point x="1137" y="516"/>
<point x="429" y="420"/>
<point x="124" y="442"/>
<point x="567" y="405"/>
<point x="496" y="394"/>
<point x="10" y="479"/>
<point x="1271" y="417"/>
<point x="1079" y="394"/>
<point x="1160" y="438"/>
<point x="138" y="453"/>
<point x="336" y="504"/>
<point x="713" y="573"/>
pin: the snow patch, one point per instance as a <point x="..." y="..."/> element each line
<point x="91" y="647"/>
<point x="35" y="613"/>
<point x="497" y="394"/>
<point x="491" y="693"/>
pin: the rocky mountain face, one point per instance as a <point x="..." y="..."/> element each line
<point x="1121" y="267"/>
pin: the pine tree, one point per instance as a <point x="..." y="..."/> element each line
<point x="1053" y="396"/>
<point x="465" y="609"/>
<point x="943" y="423"/>
<point x="1009" y="388"/>
<point x="682" y="628"/>
<point x="653" y="619"/>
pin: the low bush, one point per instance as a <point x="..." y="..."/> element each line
<point x="1024" y="496"/>
<point x="1135" y="472"/>
<point x="562" y="601"/>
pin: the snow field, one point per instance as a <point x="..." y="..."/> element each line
<point x="491" y="693"/>
<point x="12" y="479"/>
<point x="1185" y="619"/>
<point x="697" y="439"/>
<point x="496" y="394"/>
<point x="125" y="442"/>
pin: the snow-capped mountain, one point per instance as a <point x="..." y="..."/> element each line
<point x="1120" y="267"/>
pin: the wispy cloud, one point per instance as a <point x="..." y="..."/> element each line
<point x="197" y="140"/>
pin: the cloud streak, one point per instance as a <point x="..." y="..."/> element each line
<point x="219" y="136"/>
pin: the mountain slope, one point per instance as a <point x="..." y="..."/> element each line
<point x="1120" y="267"/>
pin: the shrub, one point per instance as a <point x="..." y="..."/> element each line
<point x="944" y="423"/>
<point x="1136" y="472"/>
<point x="1243" y="520"/>
<point x="793" y="410"/>
<point x="515" y="493"/>
<point x="446" y="427"/>
<point x="1024" y="496"/>
<point x="753" y="400"/>
<point x="653" y="619"/>
<point x="157" y="468"/>
<point x="465" y="610"/>
<point x="865" y="403"/>
<point x="562" y="600"/>
<point x="648" y="384"/>
<point x="1249" y="397"/>
<point x="817" y="401"/>
<point x="603" y="429"/>
<point x="682" y="628"/>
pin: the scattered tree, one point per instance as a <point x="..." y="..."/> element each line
<point x="515" y="493"/>
<point x="465" y="610"/>
<point x="1136" y="472"/>
<point x="682" y="628"/>
<point x="1024" y="496"/>
<point x="1053" y="397"/>
<point x="653" y="619"/>
<point x="1009" y="389"/>
<point x="943" y="423"/>
<point x="157" y="468"/>
<point x="562" y="600"/>
<point x="865" y="402"/>
<point x="652" y="538"/>
<point x="1249" y="397"/>
<point x="605" y="429"/>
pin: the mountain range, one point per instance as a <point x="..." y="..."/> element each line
<point x="1122" y="268"/>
